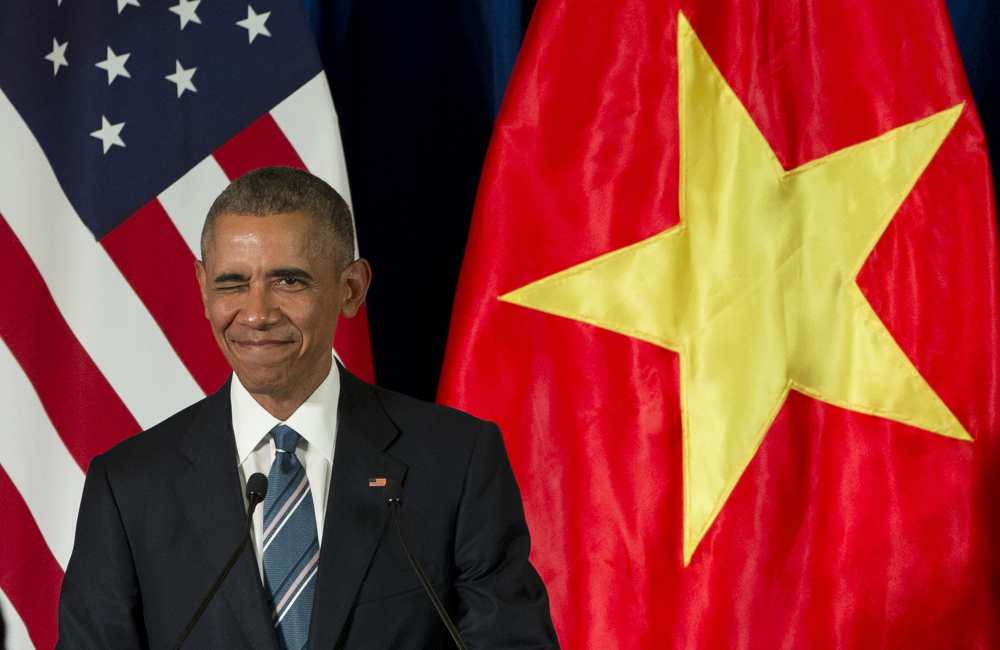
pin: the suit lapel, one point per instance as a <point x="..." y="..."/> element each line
<point x="209" y="492"/>
<point x="356" y="514"/>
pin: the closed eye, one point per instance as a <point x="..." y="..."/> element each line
<point x="229" y="282"/>
<point x="231" y="278"/>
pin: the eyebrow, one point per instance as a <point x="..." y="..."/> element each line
<point x="281" y="272"/>
<point x="226" y="278"/>
<point x="289" y="272"/>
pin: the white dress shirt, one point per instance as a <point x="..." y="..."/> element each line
<point x="315" y="421"/>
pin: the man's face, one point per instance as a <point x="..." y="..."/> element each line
<point x="273" y="296"/>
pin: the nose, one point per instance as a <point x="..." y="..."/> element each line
<point x="259" y="311"/>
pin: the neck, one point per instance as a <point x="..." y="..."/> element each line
<point x="282" y="409"/>
<point x="282" y="404"/>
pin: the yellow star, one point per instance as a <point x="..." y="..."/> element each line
<point x="755" y="287"/>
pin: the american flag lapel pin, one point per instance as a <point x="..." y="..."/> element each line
<point x="376" y="482"/>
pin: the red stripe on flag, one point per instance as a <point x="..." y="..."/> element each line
<point x="354" y="345"/>
<point x="83" y="407"/>
<point x="261" y="144"/>
<point x="29" y="573"/>
<point x="142" y="248"/>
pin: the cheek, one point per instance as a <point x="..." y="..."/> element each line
<point x="316" y="326"/>
<point x="221" y="311"/>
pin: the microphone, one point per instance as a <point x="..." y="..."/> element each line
<point x="394" y="497"/>
<point x="256" y="490"/>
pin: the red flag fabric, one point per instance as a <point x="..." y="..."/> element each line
<point x="657" y="168"/>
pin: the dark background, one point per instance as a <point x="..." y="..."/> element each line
<point x="417" y="86"/>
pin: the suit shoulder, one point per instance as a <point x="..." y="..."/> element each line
<point x="414" y="412"/>
<point x="155" y="442"/>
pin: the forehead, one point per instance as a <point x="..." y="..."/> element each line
<point x="241" y="235"/>
<point x="271" y="226"/>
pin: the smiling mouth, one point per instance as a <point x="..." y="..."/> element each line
<point x="262" y="344"/>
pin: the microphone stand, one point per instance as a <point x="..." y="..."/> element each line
<point x="255" y="494"/>
<point x="394" y="492"/>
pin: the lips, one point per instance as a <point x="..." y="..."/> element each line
<point x="266" y="352"/>
<point x="255" y="346"/>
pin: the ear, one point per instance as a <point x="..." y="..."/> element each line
<point x="202" y="275"/>
<point x="355" y="281"/>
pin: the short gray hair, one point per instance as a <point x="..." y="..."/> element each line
<point x="281" y="190"/>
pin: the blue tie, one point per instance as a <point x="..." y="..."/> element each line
<point x="291" y="547"/>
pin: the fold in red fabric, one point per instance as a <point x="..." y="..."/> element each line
<point x="845" y="530"/>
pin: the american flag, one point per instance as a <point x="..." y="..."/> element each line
<point x="120" y="122"/>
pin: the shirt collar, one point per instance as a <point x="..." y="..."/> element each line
<point x="315" y="420"/>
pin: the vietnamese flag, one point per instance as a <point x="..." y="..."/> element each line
<point x="731" y="294"/>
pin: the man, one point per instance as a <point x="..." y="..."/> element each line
<point x="162" y="511"/>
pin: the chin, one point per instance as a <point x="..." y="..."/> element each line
<point x="264" y="383"/>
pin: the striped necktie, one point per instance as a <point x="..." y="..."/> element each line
<point x="291" y="547"/>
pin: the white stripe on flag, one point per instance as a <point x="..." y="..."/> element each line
<point x="17" y="634"/>
<point x="187" y="201"/>
<point x="309" y="121"/>
<point x="37" y="461"/>
<point x="101" y="308"/>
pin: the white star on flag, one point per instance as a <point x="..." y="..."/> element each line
<point x="186" y="10"/>
<point x="57" y="56"/>
<point x="183" y="79"/>
<point x="254" y="23"/>
<point x="115" y="65"/>
<point x="122" y="3"/>
<point x="109" y="134"/>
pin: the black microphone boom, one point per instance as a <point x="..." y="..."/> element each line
<point x="394" y="497"/>
<point x="256" y="491"/>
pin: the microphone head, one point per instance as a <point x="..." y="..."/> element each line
<point x="256" y="487"/>
<point x="393" y="492"/>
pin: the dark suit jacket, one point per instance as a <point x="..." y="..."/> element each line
<point x="163" y="511"/>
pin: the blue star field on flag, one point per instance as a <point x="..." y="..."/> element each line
<point x="125" y="96"/>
